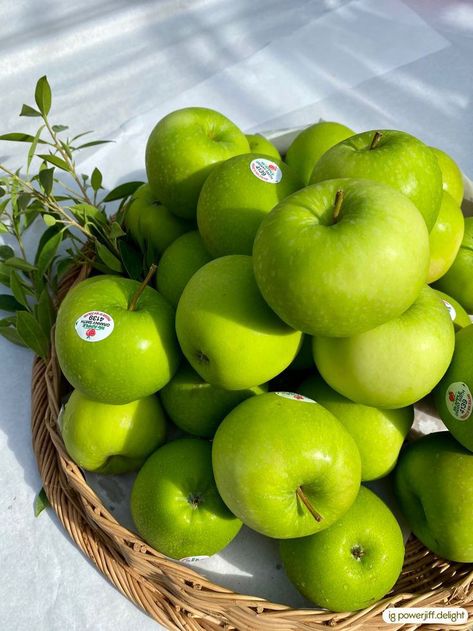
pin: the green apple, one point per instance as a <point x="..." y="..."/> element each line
<point x="458" y="281"/>
<point x="227" y="332"/>
<point x="182" y="150"/>
<point x="175" y="504"/>
<point x="378" y="434"/>
<point x="260" y="144"/>
<point x="453" y="395"/>
<point x="236" y="197"/>
<point x="434" y="491"/>
<point x="284" y="465"/>
<point x="445" y="237"/>
<point x="458" y="314"/>
<point x="341" y="257"/>
<point x="352" y="564"/>
<point x="310" y="145"/>
<point x="197" y="407"/>
<point x="391" y="157"/>
<point x="179" y="263"/>
<point x="151" y="225"/>
<point x="395" y="364"/>
<point x="115" y="339"/>
<point x="108" y="438"/>
<point x="452" y="178"/>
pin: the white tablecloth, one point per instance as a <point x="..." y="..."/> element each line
<point x="117" y="66"/>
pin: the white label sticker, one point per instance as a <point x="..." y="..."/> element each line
<point x="294" y="396"/>
<point x="94" y="326"/>
<point x="459" y="400"/>
<point x="266" y="170"/>
<point x="451" y="310"/>
<point x="194" y="559"/>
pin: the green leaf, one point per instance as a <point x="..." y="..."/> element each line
<point x="21" y="264"/>
<point x="11" y="334"/>
<point x="26" y="110"/>
<point x="131" y="258"/>
<point x="83" y="211"/>
<point x="30" y="216"/>
<point x="17" y="289"/>
<point x="47" y="234"/>
<point x="42" y="95"/>
<point x="49" y="220"/>
<point x="45" y="312"/>
<point x="46" y="179"/>
<point x="93" y="143"/>
<point x="33" y="147"/>
<point x="96" y="179"/>
<point x="59" y="128"/>
<point x="23" y="200"/>
<point x="19" y="137"/>
<point x="116" y="230"/>
<point x="32" y="334"/>
<point x="84" y="133"/>
<point x="4" y="274"/>
<point x="40" y="503"/>
<point x="62" y="266"/>
<point x="2" y="191"/>
<point x="6" y="252"/>
<point x="9" y="303"/>
<point x="108" y="258"/>
<point x="58" y="162"/>
<point x="45" y="256"/>
<point x="121" y="191"/>
<point x="3" y="228"/>
<point x="8" y="321"/>
<point x="66" y="149"/>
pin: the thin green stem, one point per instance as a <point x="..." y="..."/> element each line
<point x="141" y="288"/>
<point x="68" y="161"/>
<point x="48" y="202"/>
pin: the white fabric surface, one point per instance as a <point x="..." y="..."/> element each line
<point x="117" y="66"/>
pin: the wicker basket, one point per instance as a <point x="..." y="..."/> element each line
<point x="178" y="597"/>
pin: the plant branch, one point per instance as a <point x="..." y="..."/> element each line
<point x="67" y="160"/>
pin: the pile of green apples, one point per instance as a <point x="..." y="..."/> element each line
<point x="290" y="333"/>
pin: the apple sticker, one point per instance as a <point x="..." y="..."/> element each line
<point x="459" y="400"/>
<point x="294" y="396"/>
<point x="266" y="170"/>
<point x="94" y="326"/>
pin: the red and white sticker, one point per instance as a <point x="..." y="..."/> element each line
<point x="294" y="396"/>
<point x="94" y="326"/>
<point x="451" y="310"/>
<point x="459" y="400"/>
<point x="266" y="170"/>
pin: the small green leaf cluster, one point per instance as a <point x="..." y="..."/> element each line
<point x="73" y="208"/>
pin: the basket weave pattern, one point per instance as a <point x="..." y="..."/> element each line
<point x="178" y="597"/>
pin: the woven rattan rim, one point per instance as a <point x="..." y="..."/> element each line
<point x="178" y="597"/>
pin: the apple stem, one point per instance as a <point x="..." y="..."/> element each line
<point x="376" y="138"/>
<point x="338" y="205"/>
<point x="141" y="288"/>
<point x="302" y="496"/>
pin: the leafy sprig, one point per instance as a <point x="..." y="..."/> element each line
<point x="72" y="207"/>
